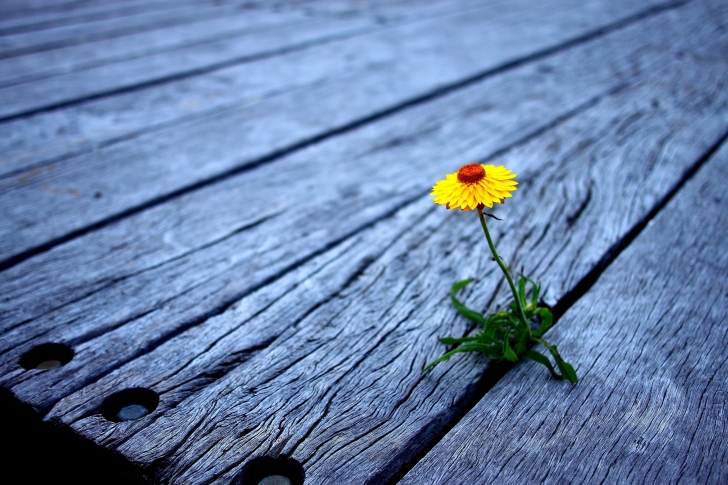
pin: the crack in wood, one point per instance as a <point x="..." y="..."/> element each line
<point x="11" y="261"/>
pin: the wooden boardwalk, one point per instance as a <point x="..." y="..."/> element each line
<point x="216" y="219"/>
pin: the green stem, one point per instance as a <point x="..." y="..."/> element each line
<point x="504" y="268"/>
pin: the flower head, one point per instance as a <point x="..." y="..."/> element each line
<point x="475" y="185"/>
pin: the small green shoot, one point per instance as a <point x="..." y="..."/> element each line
<point x="503" y="334"/>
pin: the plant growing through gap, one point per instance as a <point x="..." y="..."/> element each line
<point x="505" y="334"/>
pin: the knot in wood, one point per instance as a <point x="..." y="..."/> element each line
<point x="471" y="173"/>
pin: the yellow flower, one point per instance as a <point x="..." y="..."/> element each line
<point x="475" y="185"/>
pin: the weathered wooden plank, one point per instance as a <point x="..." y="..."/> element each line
<point x="32" y="67"/>
<point x="234" y="22"/>
<point x="649" y="343"/>
<point x="39" y="140"/>
<point x="75" y="87"/>
<point x="25" y="21"/>
<point x="23" y="43"/>
<point x="338" y="380"/>
<point x="338" y="386"/>
<point x="390" y="69"/>
<point x="178" y="246"/>
<point x="40" y="291"/>
<point x="20" y="8"/>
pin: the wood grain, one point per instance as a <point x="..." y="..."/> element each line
<point x="24" y="20"/>
<point x="328" y="371"/>
<point x="21" y="12"/>
<point x="137" y="43"/>
<point x="190" y="26"/>
<point x="170" y="268"/>
<point x="105" y="80"/>
<point x="648" y="341"/>
<point x="23" y="43"/>
<point x="36" y="141"/>
<point x="48" y="204"/>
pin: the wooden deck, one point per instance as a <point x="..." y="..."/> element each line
<point x="220" y="211"/>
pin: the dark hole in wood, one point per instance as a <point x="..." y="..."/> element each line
<point x="267" y="470"/>
<point x="129" y="404"/>
<point x="47" y="357"/>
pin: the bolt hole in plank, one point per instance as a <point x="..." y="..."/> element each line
<point x="129" y="404"/>
<point x="268" y="470"/>
<point x="47" y="357"/>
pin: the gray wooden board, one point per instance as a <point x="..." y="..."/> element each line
<point x="191" y="255"/>
<point x="28" y="42"/>
<point x="229" y="23"/>
<point x="20" y="8"/>
<point x="339" y="388"/>
<point x="328" y="368"/>
<point x="24" y="22"/>
<point x="29" y="142"/>
<point x="53" y="201"/>
<point x="75" y="87"/>
<point x="648" y="341"/>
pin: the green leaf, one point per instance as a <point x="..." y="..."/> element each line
<point x="543" y="360"/>
<point x="535" y="288"/>
<point x="547" y="320"/>
<point x="566" y="369"/>
<point x="471" y="315"/>
<point x="453" y="340"/>
<point x="508" y="352"/>
<point x="523" y="342"/>
<point x="536" y="292"/>
<point x="522" y="290"/>
<point x="521" y="346"/>
<point x="469" y="347"/>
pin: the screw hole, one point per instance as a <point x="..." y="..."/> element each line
<point x="266" y="470"/>
<point x="129" y="404"/>
<point x="275" y="480"/>
<point x="47" y="357"/>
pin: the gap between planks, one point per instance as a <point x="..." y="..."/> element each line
<point x="636" y="94"/>
<point x="117" y="279"/>
<point x="648" y="291"/>
<point x="124" y="212"/>
<point x="138" y="74"/>
<point x="497" y="372"/>
<point x="27" y="43"/>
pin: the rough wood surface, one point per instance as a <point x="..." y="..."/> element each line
<point x="189" y="27"/>
<point x="24" y="20"/>
<point x="22" y="43"/>
<point x="75" y="87"/>
<point x="48" y="204"/>
<point x="175" y="265"/>
<point x="228" y="23"/>
<point x="164" y="38"/>
<point x="289" y="308"/>
<point x="47" y="137"/>
<point x="35" y="141"/>
<point x="33" y="12"/>
<point x="648" y="341"/>
<point x="320" y="357"/>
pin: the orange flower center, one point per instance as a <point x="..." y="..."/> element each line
<point x="471" y="173"/>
